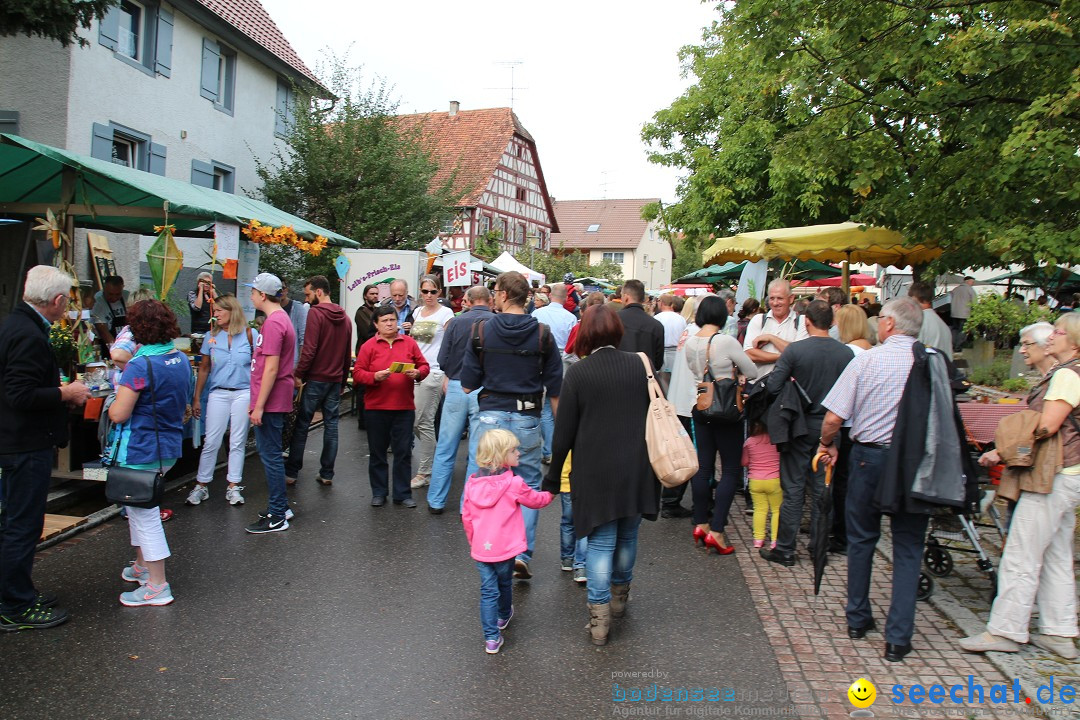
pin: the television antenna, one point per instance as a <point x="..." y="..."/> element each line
<point x="512" y="65"/>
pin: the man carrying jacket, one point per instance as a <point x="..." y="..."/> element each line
<point x="33" y="420"/>
<point x="815" y="363"/>
<point x="516" y="361"/>
<point x="324" y="365"/>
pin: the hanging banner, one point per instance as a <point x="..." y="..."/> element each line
<point x="456" y="269"/>
<point x="247" y="267"/>
<point x="227" y="236"/>
<point x="752" y="282"/>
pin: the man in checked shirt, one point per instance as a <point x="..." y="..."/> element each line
<point x="868" y="393"/>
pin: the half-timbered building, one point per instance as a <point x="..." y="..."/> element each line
<point x="493" y="162"/>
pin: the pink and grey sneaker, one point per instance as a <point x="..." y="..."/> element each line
<point x="147" y="595"/>
<point x="136" y="573"/>
<point x="491" y="647"/>
<point x="759" y="543"/>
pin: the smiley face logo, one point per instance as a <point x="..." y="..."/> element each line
<point x="862" y="693"/>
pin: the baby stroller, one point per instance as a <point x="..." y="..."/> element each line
<point x="962" y="533"/>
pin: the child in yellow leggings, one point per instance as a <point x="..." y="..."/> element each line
<point x="762" y="461"/>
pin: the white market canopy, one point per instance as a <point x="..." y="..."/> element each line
<point x="506" y="263"/>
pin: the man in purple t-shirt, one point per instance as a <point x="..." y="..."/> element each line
<point x="271" y="396"/>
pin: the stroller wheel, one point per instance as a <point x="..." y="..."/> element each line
<point x="938" y="560"/>
<point x="926" y="587"/>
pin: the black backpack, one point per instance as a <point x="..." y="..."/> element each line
<point x="544" y="337"/>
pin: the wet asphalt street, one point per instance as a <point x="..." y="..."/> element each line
<point x="360" y="612"/>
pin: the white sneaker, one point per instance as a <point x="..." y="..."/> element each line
<point x="987" y="642"/>
<point x="1061" y="646"/>
<point x="233" y="496"/>
<point x="420" y="481"/>
<point x="197" y="494"/>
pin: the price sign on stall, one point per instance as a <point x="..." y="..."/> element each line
<point x="456" y="269"/>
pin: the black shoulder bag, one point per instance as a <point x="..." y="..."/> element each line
<point x="137" y="488"/>
<point x="718" y="399"/>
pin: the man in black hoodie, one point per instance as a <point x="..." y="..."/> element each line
<point x="514" y="362"/>
<point x="324" y="364"/>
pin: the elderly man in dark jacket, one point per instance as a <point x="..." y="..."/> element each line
<point x="33" y="420"/>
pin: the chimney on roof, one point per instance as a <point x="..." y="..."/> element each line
<point x="454" y="107"/>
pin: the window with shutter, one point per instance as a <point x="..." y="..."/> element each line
<point x="284" y="107"/>
<point x="163" y="44"/>
<point x="109" y="27"/>
<point x="210" y="58"/>
<point x="218" y="83"/>
<point x="9" y="121"/>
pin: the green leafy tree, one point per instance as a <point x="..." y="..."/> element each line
<point x="951" y="121"/>
<point x="488" y="246"/>
<point x="556" y="265"/>
<point x="58" y="20"/>
<point x="348" y="165"/>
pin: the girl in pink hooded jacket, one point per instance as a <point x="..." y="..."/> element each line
<point x="495" y="529"/>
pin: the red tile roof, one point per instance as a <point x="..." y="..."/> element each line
<point x="472" y="141"/>
<point x="621" y="225"/>
<point x="252" y="20"/>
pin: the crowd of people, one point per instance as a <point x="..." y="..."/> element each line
<point x="534" y="375"/>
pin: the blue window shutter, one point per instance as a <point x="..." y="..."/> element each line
<point x="210" y="56"/>
<point x="202" y="174"/>
<point x="281" y="108"/>
<point x="163" y="53"/>
<point x="9" y="121"/>
<point x="109" y="27"/>
<point x="156" y="164"/>
<point x="101" y="144"/>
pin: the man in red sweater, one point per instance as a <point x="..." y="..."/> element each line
<point x="323" y="367"/>
<point x="389" y="365"/>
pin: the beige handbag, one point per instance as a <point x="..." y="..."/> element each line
<point x="671" y="452"/>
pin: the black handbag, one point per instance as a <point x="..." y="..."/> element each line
<point x="137" y="488"/>
<point x="718" y="399"/>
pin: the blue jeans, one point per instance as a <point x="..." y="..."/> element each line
<point x="268" y="442"/>
<point x="569" y="544"/>
<point x="23" y="492"/>
<point x="458" y="409"/>
<point x="496" y="594"/>
<point x="394" y="429"/>
<point x="612" y="550"/>
<point x="547" y="427"/>
<point x="327" y="396"/>
<point x="526" y="429"/>
<point x="866" y="467"/>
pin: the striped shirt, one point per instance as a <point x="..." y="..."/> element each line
<point x="869" y="390"/>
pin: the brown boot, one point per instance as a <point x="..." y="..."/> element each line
<point x="619" y="595"/>
<point x="599" y="622"/>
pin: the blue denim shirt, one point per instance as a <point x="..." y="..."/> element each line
<point x="230" y="367"/>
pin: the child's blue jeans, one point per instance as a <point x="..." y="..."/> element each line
<point x="496" y="594"/>
<point x="569" y="545"/>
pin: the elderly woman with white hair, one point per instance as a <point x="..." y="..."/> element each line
<point x="1037" y="564"/>
<point x="201" y="303"/>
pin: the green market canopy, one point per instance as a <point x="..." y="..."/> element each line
<point x="100" y="194"/>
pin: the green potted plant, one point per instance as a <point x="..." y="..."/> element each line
<point x="994" y="322"/>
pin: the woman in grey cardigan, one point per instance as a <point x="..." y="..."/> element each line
<point x="612" y="484"/>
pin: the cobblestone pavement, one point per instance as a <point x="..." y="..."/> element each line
<point x="818" y="660"/>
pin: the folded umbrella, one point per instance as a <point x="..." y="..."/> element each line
<point x="819" y="528"/>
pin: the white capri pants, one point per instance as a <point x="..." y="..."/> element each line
<point x="225" y="409"/>
<point x="426" y="398"/>
<point x="146" y="530"/>
<point x="1037" y="565"/>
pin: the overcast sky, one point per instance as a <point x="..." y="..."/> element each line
<point x="592" y="72"/>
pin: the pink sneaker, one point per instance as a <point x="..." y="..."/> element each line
<point x="759" y="543"/>
<point x="773" y="546"/>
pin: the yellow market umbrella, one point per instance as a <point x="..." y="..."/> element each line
<point x="841" y="242"/>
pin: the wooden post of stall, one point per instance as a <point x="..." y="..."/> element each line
<point x="67" y="196"/>
<point x="846" y="275"/>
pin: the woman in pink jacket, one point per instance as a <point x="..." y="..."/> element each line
<point x="491" y="514"/>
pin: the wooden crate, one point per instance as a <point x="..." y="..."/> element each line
<point x="56" y="524"/>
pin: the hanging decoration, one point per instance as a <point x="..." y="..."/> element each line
<point x="165" y="259"/>
<point x="71" y="337"/>
<point x="342" y="265"/>
<point x="284" y="235"/>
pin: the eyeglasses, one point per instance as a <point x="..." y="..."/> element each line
<point x="1027" y="344"/>
<point x="430" y="292"/>
<point x="1059" y="331"/>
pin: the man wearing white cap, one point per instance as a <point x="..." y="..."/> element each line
<point x="272" y="388"/>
